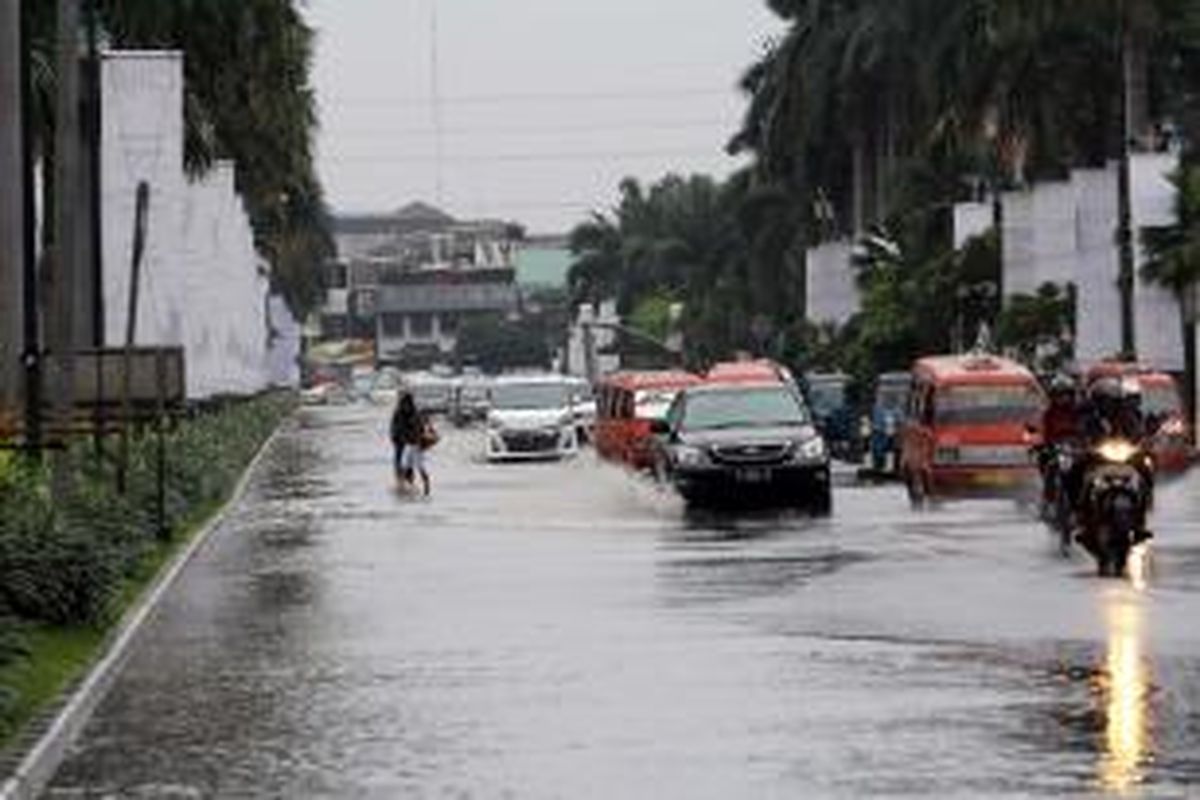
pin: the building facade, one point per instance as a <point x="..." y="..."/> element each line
<point x="408" y="280"/>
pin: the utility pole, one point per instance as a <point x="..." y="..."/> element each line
<point x="64" y="321"/>
<point x="1126" y="278"/>
<point x="12" y="211"/>
<point x="95" y="230"/>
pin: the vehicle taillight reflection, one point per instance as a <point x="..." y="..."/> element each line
<point x="1124" y="688"/>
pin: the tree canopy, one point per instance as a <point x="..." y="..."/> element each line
<point x="247" y="98"/>
<point x="869" y="120"/>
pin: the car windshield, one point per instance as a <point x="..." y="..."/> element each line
<point x="529" y="396"/>
<point x="766" y="407"/>
<point x="1160" y="399"/>
<point x="827" y="396"/>
<point x="654" y="403"/>
<point x="891" y="398"/>
<point x="983" y="405"/>
<point x="430" y="392"/>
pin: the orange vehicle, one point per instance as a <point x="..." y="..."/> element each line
<point x="756" y="371"/>
<point x="626" y="405"/>
<point x="971" y="427"/>
<point x="1172" y="446"/>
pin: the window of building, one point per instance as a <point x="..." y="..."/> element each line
<point x="336" y="276"/>
<point x="421" y="325"/>
<point x="393" y="325"/>
<point x="449" y="323"/>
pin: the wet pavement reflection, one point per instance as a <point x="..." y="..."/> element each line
<point x="567" y="630"/>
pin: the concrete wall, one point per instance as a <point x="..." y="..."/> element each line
<point x="832" y="291"/>
<point x="1097" y="323"/>
<point x="203" y="284"/>
<point x="971" y="220"/>
<point x="1159" y="329"/>
<point x="1065" y="231"/>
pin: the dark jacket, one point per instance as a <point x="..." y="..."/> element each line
<point x="407" y="428"/>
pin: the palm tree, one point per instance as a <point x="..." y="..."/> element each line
<point x="1173" y="262"/>
<point x="247" y="98"/>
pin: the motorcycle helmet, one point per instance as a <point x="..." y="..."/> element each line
<point x="1106" y="394"/>
<point x="1062" y="389"/>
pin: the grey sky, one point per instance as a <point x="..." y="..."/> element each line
<point x="547" y="104"/>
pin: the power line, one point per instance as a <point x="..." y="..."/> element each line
<point x="383" y="133"/>
<point x="536" y="97"/>
<point x="437" y="98"/>
<point x="527" y="157"/>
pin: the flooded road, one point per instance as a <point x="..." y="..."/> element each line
<point x="568" y="631"/>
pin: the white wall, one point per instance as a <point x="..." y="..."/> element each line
<point x="1039" y="237"/>
<point x="1159" y="334"/>
<point x="832" y="291"/>
<point x="971" y="220"/>
<point x="1065" y="231"/>
<point x="1097" y="323"/>
<point x="203" y="284"/>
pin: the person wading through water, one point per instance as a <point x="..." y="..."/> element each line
<point x="412" y="435"/>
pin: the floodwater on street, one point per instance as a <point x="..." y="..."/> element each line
<point x="566" y="630"/>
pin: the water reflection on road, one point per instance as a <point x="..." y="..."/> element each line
<point x="1124" y="688"/>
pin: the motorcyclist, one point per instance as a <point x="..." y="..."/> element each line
<point x="1062" y="431"/>
<point x="1114" y="410"/>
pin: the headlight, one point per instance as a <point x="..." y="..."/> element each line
<point x="810" y="450"/>
<point x="1116" y="451"/>
<point x="690" y="456"/>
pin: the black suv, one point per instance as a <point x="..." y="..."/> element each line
<point x="741" y="441"/>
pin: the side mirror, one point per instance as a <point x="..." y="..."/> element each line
<point x="660" y="427"/>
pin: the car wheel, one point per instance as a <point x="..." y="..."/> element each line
<point x="822" y="503"/>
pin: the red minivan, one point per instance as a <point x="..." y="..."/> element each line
<point x="970" y="428"/>
<point x="626" y="405"/>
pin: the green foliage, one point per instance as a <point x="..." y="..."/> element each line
<point x="652" y="316"/>
<point x="720" y="249"/>
<point x="247" y="97"/>
<point x="973" y="91"/>
<point x="68" y="563"/>
<point x="1038" y="327"/>
<point x="494" y="344"/>
<point x="63" y="563"/>
<point x="1174" y="251"/>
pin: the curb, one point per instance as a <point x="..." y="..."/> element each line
<point x="41" y="762"/>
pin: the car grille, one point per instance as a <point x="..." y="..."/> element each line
<point x="750" y="454"/>
<point x="530" y="441"/>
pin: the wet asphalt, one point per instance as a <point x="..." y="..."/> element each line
<point x="566" y="630"/>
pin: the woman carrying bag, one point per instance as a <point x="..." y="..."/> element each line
<point x="412" y="436"/>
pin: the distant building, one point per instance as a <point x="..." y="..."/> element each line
<point x="409" y="279"/>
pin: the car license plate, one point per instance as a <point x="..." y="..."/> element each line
<point x="753" y="476"/>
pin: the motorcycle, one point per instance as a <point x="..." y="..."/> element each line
<point x="1115" y="498"/>
<point x="1055" y="462"/>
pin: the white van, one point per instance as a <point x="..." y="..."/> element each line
<point x="531" y="417"/>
